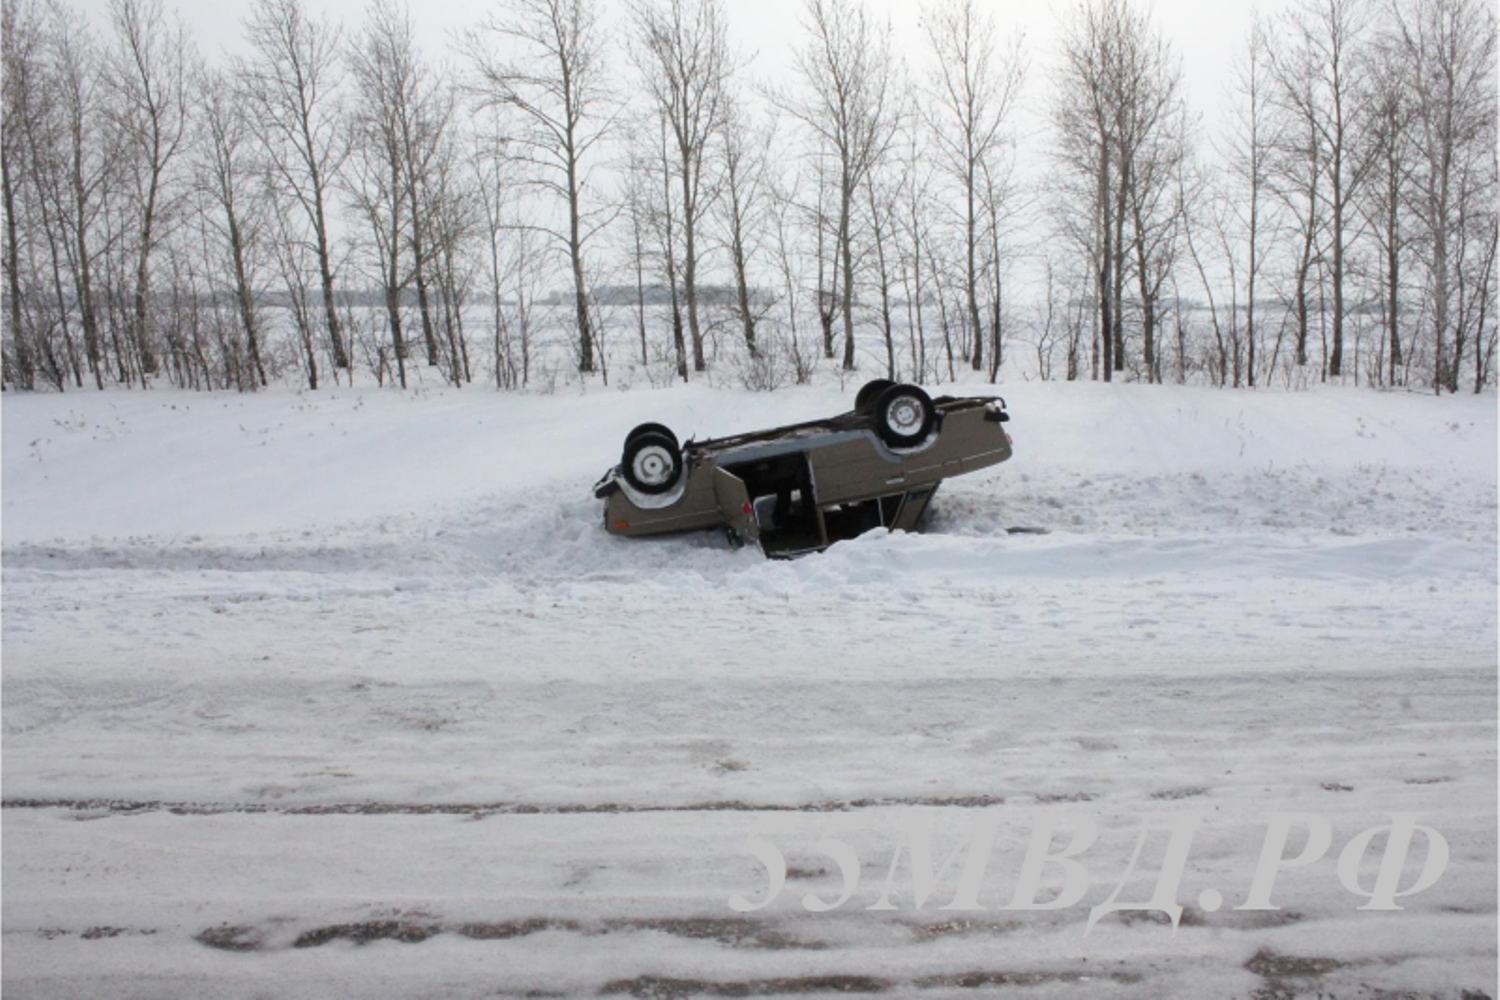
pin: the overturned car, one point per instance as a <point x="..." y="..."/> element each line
<point x="802" y="487"/>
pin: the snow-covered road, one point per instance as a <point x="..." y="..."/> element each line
<point x="352" y="695"/>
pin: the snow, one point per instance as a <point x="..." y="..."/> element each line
<point x="296" y="663"/>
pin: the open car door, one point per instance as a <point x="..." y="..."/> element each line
<point x="734" y="503"/>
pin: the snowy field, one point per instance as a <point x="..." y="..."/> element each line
<point x="349" y="694"/>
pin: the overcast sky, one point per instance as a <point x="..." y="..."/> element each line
<point x="1206" y="34"/>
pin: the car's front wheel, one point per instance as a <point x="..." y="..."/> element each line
<point x="652" y="462"/>
<point x="640" y="429"/>
<point x="869" y="392"/>
<point x="904" y="415"/>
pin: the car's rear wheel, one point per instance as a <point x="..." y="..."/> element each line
<point x="869" y="392"/>
<point x="662" y="429"/>
<point x="652" y="462"/>
<point x="904" y="415"/>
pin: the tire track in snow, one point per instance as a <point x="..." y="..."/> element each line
<point x="129" y="807"/>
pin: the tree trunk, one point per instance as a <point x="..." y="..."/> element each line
<point x="846" y="250"/>
<point x="640" y="289"/>
<point x="575" y="256"/>
<point x="742" y="291"/>
<point x="1117" y="337"/>
<point x="424" y="302"/>
<point x="143" y="278"/>
<point x="971" y="277"/>
<point x="12" y="269"/>
<point x="1393" y="277"/>
<point x="1106" y="267"/>
<point x="325" y="272"/>
<point x="1336" y="355"/>
<point x="690" y="262"/>
<point x="88" y="315"/>
<point x="244" y="299"/>
<point x="1250" y="289"/>
<point x="393" y="316"/>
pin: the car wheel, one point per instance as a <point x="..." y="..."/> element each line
<point x="661" y="429"/>
<point x="903" y="415"/>
<point x="869" y="392"/>
<point x="652" y="462"/>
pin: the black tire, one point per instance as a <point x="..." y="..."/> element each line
<point x="652" y="462"/>
<point x="869" y="392"/>
<point x="651" y="429"/>
<point x="903" y="415"/>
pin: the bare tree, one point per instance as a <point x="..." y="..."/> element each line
<point x="424" y="117"/>
<point x="826" y="253"/>
<point x="290" y="248"/>
<point x="1155" y="209"/>
<point x="1118" y="115"/>
<point x="942" y="285"/>
<point x="916" y="199"/>
<point x="666" y="232"/>
<point x="1246" y="151"/>
<point x="974" y="89"/>
<point x="1388" y="142"/>
<point x="1083" y="120"/>
<point x="1295" y="177"/>
<point x="681" y="50"/>
<point x="848" y="102"/>
<point x="1045" y="327"/>
<point x="1450" y="51"/>
<point x="1209" y="208"/>
<point x="404" y="109"/>
<point x="743" y="208"/>
<point x="226" y="178"/>
<point x="783" y="212"/>
<point x="89" y="163"/>
<point x="149" y="73"/>
<point x="521" y="268"/>
<point x="558" y="92"/>
<point x="291" y="86"/>
<point x="20" y="80"/>
<point x="377" y="171"/>
<point x="450" y="207"/>
<point x="998" y="194"/>
<point x="491" y="165"/>
<point x="398" y="132"/>
<point x="882" y="194"/>
<point x="1322" y="81"/>
<point x="638" y="213"/>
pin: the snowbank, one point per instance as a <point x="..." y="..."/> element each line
<point x="292" y="672"/>
<point x="177" y="464"/>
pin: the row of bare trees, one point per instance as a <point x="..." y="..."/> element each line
<point x="582" y="188"/>
<point x="1344" y="219"/>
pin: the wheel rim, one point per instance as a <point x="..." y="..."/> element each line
<point x="652" y="465"/>
<point x="904" y="415"/>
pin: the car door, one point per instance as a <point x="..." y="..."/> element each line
<point x="913" y="507"/>
<point x="734" y="503"/>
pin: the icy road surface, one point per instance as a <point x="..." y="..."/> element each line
<point x="349" y="694"/>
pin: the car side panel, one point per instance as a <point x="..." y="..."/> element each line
<point x="862" y="468"/>
<point x="697" y="507"/>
